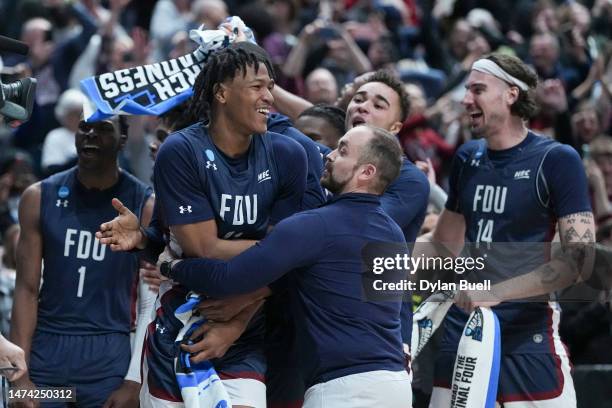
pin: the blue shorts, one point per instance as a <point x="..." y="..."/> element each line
<point x="94" y="364"/>
<point x="534" y="361"/>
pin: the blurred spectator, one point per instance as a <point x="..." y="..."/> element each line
<point x="321" y="87"/>
<point x="383" y="53"/>
<point x="418" y="137"/>
<point x="59" y="152"/>
<point x="16" y="174"/>
<point x="328" y="45"/>
<point x="323" y="124"/>
<point x="210" y="13"/>
<point x="545" y="54"/>
<point x="601" y="152"/>
<point x="50" y="62"/>
<point x="169" y="17"/>
<point x="587" y="122"/>
<point x="7" y="276"/>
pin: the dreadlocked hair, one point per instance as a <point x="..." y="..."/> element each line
<point x="223" y="65"/>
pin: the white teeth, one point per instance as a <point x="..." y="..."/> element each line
<point x="264" y="111"/>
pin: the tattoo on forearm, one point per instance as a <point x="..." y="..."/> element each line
<point x="579" y="222"/>
<point x="571" y="235"/>
<point x="588" y="236"/>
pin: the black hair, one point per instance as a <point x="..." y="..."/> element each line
<point x="335" y="116"/>
<point x="388" y="79"/>
<point x="178" y="117"/>
<point x="123" y="125"/>
<point x="223" y="65"/>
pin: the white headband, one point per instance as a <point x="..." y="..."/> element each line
<point x="489" y="67"/>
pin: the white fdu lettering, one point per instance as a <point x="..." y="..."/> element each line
<point x="490" y="198"/>
<point x="86" y="244"/>
<point x="239" y="204"/>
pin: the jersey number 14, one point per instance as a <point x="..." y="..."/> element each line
<point x="485" y="231"/>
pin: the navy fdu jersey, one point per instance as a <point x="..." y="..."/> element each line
<point x="86" y="287"/>
<point x="511" y="200"/>
<point x="196" y="182"/>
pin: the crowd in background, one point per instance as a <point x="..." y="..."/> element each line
<point x="319" y="49"/>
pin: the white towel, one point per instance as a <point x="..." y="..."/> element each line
<point x="200" y="385"/>
<point x="476" y="371"/>
<point x="427" y="318"/>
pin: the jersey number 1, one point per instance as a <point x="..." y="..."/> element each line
<point x="81" y="281"/>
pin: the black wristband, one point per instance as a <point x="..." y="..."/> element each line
<point x="165" y="268"/>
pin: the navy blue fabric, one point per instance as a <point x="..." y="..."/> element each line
<point x="406" y="202"/>
<point x="95" y="365"/>
<point x="70" y="216"/>
<point x="195" y="182"/>
<point x="314" y="195"/>
<point x="512" y="197"/>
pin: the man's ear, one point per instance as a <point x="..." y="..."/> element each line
<point x="369" y="171"/>
<point x="396" y="127"/>
<point x="220" y="92"/>
<point x="512" y="95"/>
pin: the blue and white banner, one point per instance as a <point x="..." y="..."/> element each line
<point x="476" y="371"/>
<point x="154" y="89"/>
<point x="200" y="385"/>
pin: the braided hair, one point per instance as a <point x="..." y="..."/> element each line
<point x="223" y="65"/>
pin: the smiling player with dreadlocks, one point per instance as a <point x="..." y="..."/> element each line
<point x="220" y="183"/>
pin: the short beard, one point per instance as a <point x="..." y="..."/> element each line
<point x="333" y="185"/>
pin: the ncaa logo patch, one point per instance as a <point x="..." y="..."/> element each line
<point x="474" y="328"/>
<point x="210" y="163"/>
<point x="63" y="192"/>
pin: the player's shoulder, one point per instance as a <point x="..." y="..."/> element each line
<point x="181" y="141"/>
<point x="285" y="147"/>
<point x="561" y="152"/>
<point x="471" y="148"/>
<point x="409" y="171"/>
<point x="60" y="178"/>
<point x="410" y="180"/>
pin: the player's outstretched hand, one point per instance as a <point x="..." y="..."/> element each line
<point x="125" y="396"/>
<point x="12" y="360"/>
<point x="217" y="339"/>
<point x="123" y="232"/>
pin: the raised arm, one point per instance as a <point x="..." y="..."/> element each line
<point x="298" y="236"/>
